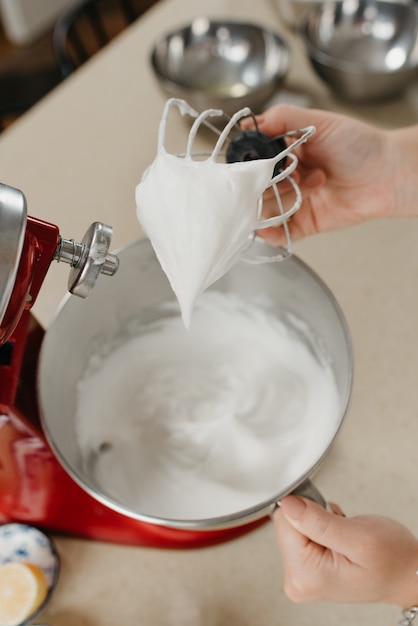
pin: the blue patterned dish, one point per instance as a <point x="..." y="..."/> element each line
<point x="24" y="543"/>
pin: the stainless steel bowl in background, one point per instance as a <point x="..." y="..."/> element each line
<point x="225" y="65"/>
<point x="364" y="50"/>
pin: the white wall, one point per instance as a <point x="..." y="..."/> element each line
<point x="25" y="20"/>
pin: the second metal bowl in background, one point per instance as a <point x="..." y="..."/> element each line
<point x="364" y="50"/>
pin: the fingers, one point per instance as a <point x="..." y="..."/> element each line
<point x="327" y="556"/>
<point x="276" y="236"/>
<point x="306" y="538"/>
<point x="283" y="118"/>
<point x="280" y="119"/>
<point x="303" y="562"/>
<point x="289" y="538"/>
<point x="302" y="222"/>
<point x="318" y="525"/>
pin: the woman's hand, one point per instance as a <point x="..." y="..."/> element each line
<point x="348" y="171"/>
<point x="330" y="557"/>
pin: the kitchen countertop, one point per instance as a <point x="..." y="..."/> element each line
<point x="78" y="156"/>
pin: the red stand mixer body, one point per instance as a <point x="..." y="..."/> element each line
<point x="34" y="487"/>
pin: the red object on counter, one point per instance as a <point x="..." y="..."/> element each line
<point x="34" y="488"/>
<point x="40" y="243"/>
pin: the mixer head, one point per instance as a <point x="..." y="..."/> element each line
<point x="28" y="246"/>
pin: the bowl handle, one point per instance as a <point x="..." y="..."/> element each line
<point x="307" y="490"/>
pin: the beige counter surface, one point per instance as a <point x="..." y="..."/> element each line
<point x="78" y="156"/>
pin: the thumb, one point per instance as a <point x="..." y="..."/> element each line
<point x="286" y="117"/>
<point x="318" y="525"/>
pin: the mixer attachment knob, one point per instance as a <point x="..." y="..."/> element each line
<point x="88" y="259"/>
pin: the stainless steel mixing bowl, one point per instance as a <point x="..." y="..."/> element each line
<point x="83" y="328"/>
<point x="364" y="50"/>
<point x="226" y="65"/>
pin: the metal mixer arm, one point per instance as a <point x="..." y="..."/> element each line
<point x="28" y="246"/>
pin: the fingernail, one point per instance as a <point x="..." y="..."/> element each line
<point x="293" y="507"/>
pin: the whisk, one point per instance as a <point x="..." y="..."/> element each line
<point x="243" y="146"/>
<point x="202" y="210"/>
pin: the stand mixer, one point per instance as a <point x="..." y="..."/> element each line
<point x="34" y="488"/>
<point x="36" y="484"/>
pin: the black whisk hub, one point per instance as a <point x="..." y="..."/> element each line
<point x="250" y="145"/>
